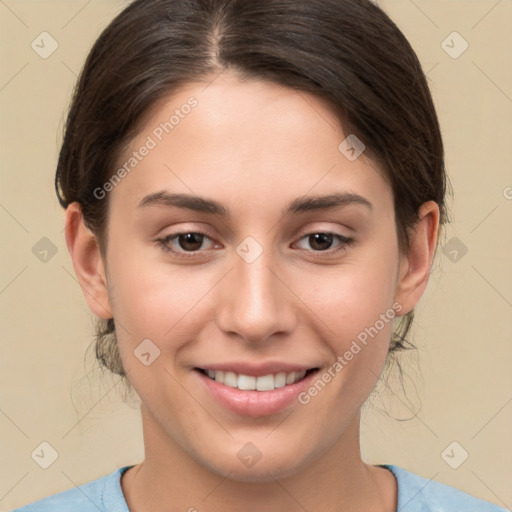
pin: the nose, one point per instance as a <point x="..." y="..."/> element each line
<point x="255" y="302"/>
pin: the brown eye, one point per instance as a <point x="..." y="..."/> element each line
<point x="320" y="241"/>
<point x="190" y="241"/>
<point x="186" y="242"/>
<point x="325" y="242"/>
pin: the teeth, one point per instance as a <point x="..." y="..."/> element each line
<point x="248" y="382"/>
<point x="280" y="380"/>
<point x="265" y="383"/>
<point x="290" y="378"/>
<point x="230" y="379"/>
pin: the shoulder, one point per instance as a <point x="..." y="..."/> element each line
<point x="103" y="494"/>
<point x="418" y="494"/>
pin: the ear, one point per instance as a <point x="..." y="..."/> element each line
<point x="87" y="261"/>
<point x="415" y="266"/>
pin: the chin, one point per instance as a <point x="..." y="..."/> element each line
<point x="265" y="469"/>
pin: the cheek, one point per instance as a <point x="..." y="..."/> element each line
<point x="163" y="302"/>
<point x="354" y="305"/>
<point x="154" y="300"/>
<point x="351" y="297"/>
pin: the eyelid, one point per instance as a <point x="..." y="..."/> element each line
<point x="345" y="242"/>
<point x="164" y="242"/>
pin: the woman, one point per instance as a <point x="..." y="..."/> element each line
<point x="253" y="195"/>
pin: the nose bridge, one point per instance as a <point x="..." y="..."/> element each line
<point x="254" y="301"/>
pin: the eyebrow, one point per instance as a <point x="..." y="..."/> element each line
<point x="299" y="205"/>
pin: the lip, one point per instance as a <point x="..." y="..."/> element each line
<point x="257" y="370"/>
<point x="253" y="403"/>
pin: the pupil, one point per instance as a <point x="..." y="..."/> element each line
<point x="191" y="241"/>
<point x="320" y="241"/>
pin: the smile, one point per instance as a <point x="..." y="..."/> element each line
<point x="252" y="383"/>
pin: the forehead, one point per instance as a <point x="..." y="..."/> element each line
<point x="251" y="140"/>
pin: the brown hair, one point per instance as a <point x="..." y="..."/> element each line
<point x="348" y="52"/>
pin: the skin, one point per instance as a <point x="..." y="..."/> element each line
<point x="254" y="147"/>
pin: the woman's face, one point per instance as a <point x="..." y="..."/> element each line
<point x="290" y="262"/>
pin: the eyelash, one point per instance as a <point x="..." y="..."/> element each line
<point x="163" y="243"/>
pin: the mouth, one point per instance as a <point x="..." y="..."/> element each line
<point x="254" y="391"/>
<point x="268" y="382"/>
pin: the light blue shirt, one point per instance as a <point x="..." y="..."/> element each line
<point x="415" y="494"/>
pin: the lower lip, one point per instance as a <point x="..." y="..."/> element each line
<point x="255" y="403"/>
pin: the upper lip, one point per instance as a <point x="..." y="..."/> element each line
<point x="257" y="370"/>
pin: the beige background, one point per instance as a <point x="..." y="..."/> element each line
<point x="459" y="384"/>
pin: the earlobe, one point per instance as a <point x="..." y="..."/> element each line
<point x="415" y="266"/>
<point x="87" y="261"/>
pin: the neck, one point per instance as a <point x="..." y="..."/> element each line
<point x="171" y="479"/>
